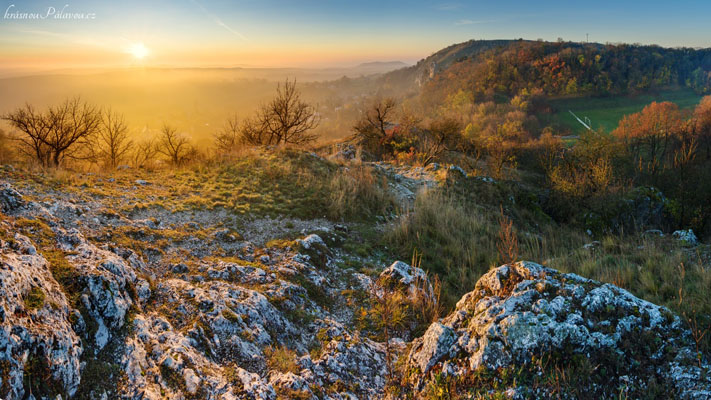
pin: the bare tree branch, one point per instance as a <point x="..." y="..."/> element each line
<point x="285" y="120"/>
<point x="113" y="142"/>
<point x="173" y="145"/>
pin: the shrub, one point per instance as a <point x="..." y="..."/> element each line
<point x="281" y="359"/>
<point x="35" y="298"/>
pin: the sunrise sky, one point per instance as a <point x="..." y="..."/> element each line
<point x="307" y="33"/>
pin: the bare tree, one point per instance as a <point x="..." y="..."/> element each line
<point x="72" y="127"/>
<point x="144" y="153"/>
<point x="285" y="120"/>
<point x="173" y="145"/>
<point x="227" y="140"/>
<point x="113" y="142"/>
<point x="371" y="128"/>
<point x="34" y="129"/>
<point x="64" y="131"/>
<point x="434" y="140"/>
<point x="375" y="120"/>
<point x="6" y="149"/>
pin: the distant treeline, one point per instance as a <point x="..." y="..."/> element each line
<point x="565" y="68"/>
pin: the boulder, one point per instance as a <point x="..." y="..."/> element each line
<point x="518" y="314"/>
<point x="411" y="280"/>
<point x="312" y="241"/>
<point x="686" y="236"/>
<point x="10" y="199"/>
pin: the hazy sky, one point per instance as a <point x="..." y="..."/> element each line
<point x="317" y="33"/>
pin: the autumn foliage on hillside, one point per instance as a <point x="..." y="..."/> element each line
<point x="573" y="69"/>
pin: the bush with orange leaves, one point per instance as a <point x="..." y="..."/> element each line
<point x="651" y="135"/>
<point x="702" y="126"/>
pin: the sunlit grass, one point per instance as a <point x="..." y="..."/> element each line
<point x="282" y="182"/>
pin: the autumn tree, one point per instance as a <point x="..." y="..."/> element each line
<point x="702" y="125"/>
<point x="550" y="148"/>
<point x="287" y="119"/>
<point x="651" y="133"/>
<point x="683" y="158"/>
<point x="113" y="143"/>
<point x="175" y="146"/>
<point x="585" y="170"/>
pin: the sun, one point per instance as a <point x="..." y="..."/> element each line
<point x="138" y="50"/>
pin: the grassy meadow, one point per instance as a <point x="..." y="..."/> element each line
<point x="606" y="112"/>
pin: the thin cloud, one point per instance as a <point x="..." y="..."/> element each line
<point x="448" y="6"/>
<point x="495" y="20"/>
<point x="475" y="22"/>
<point x="219" y="22"/>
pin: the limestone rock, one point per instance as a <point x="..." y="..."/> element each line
<point x="412" y="280"/>
<point x="10" y="199"/>
<point x="522" y="312"/>
<point x="686" y="236"/>
<point x="36" y="334"/>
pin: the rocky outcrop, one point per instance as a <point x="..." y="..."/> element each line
<point x="39" y="351"/>
<point x="91" y="306"/>
<point x="108" y="280"/>
<point x="10" y="199"/>
<point x="527" y="320"/>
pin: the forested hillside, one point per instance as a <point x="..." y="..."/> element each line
<point x="488" y="68"/>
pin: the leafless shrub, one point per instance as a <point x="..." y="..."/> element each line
<point x="371" y="128"/>
<point x="508" y="241"/>
<point x="175" y="146"/>
<point x="287" y="119"/>
<point x="227" y="140"/>
<point x="113" y="144"/>
<point x="144" y="153"/>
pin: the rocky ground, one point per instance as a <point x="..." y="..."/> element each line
<point x="102" y="299"/>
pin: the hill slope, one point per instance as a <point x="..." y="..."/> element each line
<point x="485" y="67"/>
<point x="218" y="283"/>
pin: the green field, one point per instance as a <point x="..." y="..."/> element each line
<point x="606" y="112"/>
